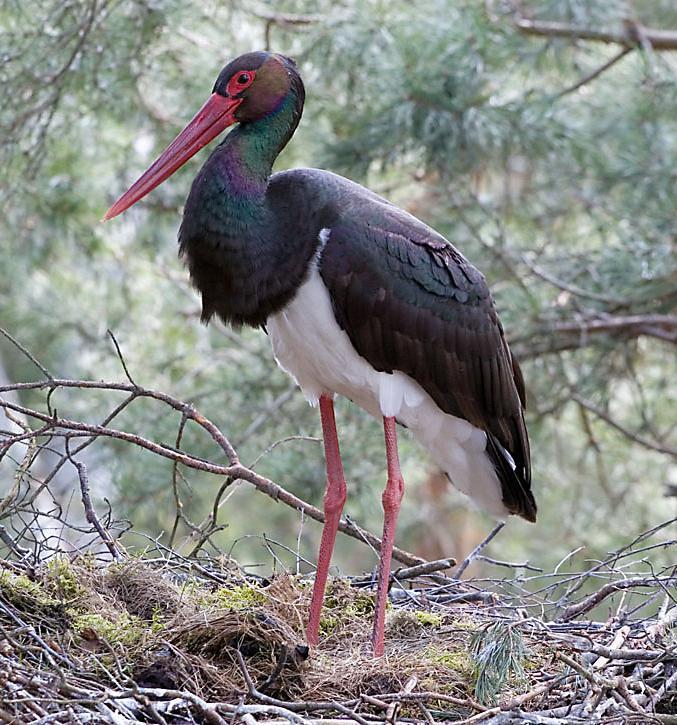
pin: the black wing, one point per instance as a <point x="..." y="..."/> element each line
<point x="410" y="301"/>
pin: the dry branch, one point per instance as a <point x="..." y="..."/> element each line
<point x="235" y="470"/>
<point x="607" y="590"/>
<point x="633" y="34"/>
<point x="659" y="447"/>
<point x="285" y="19"/>
<point x="559" y="336"/>
<point x="595" y="73"/>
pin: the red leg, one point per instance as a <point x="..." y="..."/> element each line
<point x="334" y="498"/>
<point x="392" y="498"/>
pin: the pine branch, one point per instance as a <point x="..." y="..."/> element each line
<point x="284" y="19"/>
<point x="633" y="34"/>
<point x="555" y="337"/>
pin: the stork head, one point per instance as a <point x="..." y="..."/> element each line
<point x="249" y="88"/>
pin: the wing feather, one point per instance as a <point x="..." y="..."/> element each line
<point x="410" y="301"/>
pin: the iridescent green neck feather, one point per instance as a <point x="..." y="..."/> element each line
<point x="232" y="234"/>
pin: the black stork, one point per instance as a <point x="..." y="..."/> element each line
<point x="359" y="298"/>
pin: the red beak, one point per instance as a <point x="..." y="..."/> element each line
<point x="217" y="114"/>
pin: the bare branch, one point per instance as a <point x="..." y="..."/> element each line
<point x="652" y="445"/>
<point x="235" y="470"/>
<point x="584" y="330"/>
<point x="596" y="73"/>
<point x="121" y="357"/>
<point x="631" y="37"/>
<point x="27" y="353"/>
<point x="429" y="567"/>
<point x="480" y="547"/>
<point x="285" y="19"/>
<point x="89" y="508"/>
<point x="591" y="601"/>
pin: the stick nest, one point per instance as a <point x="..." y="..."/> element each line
<point x="152" y="641"/>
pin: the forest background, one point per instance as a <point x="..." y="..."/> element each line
<point x="539" y="137"/>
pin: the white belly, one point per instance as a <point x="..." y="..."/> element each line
<point x="309" y="345"/>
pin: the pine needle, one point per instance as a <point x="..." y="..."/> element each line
<point x="498" y="652"/>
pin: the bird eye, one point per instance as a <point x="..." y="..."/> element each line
<point x="239" y="81"/>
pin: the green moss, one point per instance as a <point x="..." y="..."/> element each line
<point x="24" y="593"/>
<point x="343" y="605"/>
<point x="409" y="624"/>
<point x="157" y="620"/>
<point x="457" y="660"/>
<point x="341" y="596"/>
<point x="127" y="630"/>
<point x="62" y="580"/>
<point x="534" y="660"/>
<point x="428" y="619"/>
<point x="467" y="625"/>
<point x="238" y="598"/>
<point x="446" y="686"/>
<point x="328" y="624"/>
<point x="362" y="605"/>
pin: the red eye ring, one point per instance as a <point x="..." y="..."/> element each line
<point x="239" y="81"/>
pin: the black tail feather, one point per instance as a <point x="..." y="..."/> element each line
<point x="515" y="482"/>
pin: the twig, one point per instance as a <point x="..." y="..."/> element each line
<point x="509" y="564"/>
<point x="627" y="433"/>
<point x="596" y="73"/>
<point x="207" y="709"/>
<point x="90" y="514"/>
<point x="565" y="286"/>
<point x="27" y="353"/>
<point x="235" y="470"/>
<point x="393" y="708"/>
<point x="576" y="667"/>
<point x="629" y="655"/>
<point x="618" y="641"/>
<point x="285" y="19"/>
<point x="471" y="556"/>
<point x="293" y="707"/>
<point x="16" y="548"/>
<point x="559" y="336"/>
<point x="422" y="569"/>
<point x="50" y="653"/>
<point x="178" y="405"/>
<point x="121" y="357"/>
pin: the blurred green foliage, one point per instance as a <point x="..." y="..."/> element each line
<point x="563" y="196"/>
